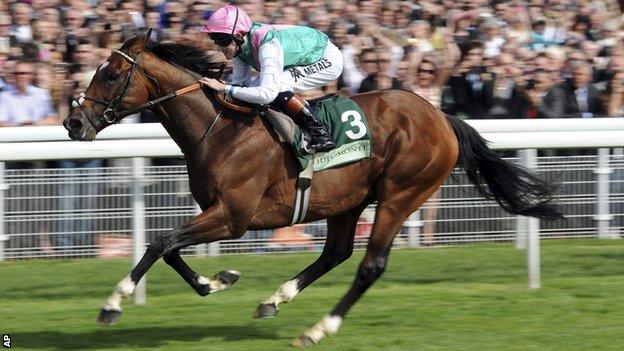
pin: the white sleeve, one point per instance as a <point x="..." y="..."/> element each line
<point x="271" y="57"/>
<point x="351" y="75"/>
<point x="241" y="72"/>
<point x="4" y="108"/>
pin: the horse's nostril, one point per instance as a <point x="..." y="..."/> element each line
<point x="74" y="124"/>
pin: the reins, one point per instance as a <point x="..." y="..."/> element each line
<point x="232" y="106"/>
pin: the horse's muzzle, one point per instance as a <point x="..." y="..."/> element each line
<point x="78" y="130"/>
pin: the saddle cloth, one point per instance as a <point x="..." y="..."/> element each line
<point x="346" y="123"/>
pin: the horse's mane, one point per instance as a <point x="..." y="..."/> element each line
<point x="207" y="64"/>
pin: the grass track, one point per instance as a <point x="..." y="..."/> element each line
<point x="461" y="298"/>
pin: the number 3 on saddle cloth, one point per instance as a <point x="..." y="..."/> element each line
<point x="346" y="123"/>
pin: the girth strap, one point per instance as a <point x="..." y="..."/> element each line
<point x="304" y="188"/>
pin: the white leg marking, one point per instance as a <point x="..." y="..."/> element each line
<point x="215" y="284"/>
<point x="122" y="290"/>
<point x="328" y="325"/>
<point x="284" y="293"/>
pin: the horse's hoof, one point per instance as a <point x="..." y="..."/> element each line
<point x="303" y="341"/>
<point x="228" y="277"/>
<point x="108" y="317"/>
<point x="266" y="310"/>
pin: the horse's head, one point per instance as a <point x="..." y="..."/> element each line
<point x="118" y="85"/>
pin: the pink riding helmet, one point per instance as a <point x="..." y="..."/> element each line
<point x="230" y="20"/>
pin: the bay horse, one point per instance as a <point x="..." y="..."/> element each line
<point x="243" y="178"/>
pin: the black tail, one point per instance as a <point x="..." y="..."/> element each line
<point x="515" y="188"/>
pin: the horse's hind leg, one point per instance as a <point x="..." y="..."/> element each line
<point x="211" y="225"/>
<point x="338" y="248"/>
<point x="389" y="218"/>
<point x="202" y="285"/>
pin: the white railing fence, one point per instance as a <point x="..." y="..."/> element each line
<point x="113" y="210"/>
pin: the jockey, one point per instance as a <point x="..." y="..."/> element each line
<point x="290" y="59"/>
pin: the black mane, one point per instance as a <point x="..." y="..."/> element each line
<point x="207" y="64"/>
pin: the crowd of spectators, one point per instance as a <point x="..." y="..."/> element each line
<point x="475" y="59"/>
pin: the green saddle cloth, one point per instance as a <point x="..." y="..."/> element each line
<point x="347" y="124"/>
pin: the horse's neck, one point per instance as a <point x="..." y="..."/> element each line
<point x="187" y="116"/>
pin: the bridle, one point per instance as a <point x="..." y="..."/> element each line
<point x="112" y="116"/>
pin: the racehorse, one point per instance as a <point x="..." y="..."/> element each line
<point x="243" y="178"/>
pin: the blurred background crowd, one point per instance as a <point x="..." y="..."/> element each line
<point x="475" y="59"/>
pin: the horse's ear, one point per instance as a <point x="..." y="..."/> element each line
<point x="142" y="43"/>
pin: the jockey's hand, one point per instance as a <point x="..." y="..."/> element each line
<point x="213" y="84"/>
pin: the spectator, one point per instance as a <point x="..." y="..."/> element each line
<point x="319" y="19"/>
<point x="539" y="41"/>
<point x="289" y="15"/>
<point x="84" y="56"/>
<point x="425" y="79"/>
<point x="519" y="32"/>
<point x="472" y="86"/>
<point x="556" y="62"/>
<point x="74" y="31"/>
<point x="420" y="35"/>
<point x="21" y="29"/>
<point x="3" y="71"/>
<point x="582" y="98"/>
<point x="580" y="29"/>
<point x="22" y="103"/>
<point x="509" y="100"/>
<point x="493" y="40"/>
<point x="354" y="73"/>
<point x="615" y="95"/>
<point x="542" y="96"/>
<point x="380" y="77"/>
<point x="6" y="39"/>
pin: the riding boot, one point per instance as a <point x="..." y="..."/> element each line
<point x="299" y="110"/>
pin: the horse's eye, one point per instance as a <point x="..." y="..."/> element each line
<point x="112" y="77"/>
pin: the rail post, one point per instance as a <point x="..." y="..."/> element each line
<point x="138" y="223"/>
<point x="414" y="227"/>
<point x="602" y="174"/>
<point x="528" y="159"/>
<point x="3" y="237"/>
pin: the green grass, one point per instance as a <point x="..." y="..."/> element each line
<point x="460" y="298"/>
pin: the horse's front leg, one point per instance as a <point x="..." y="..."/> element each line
<point x="202" y="285"/>
<point x="211" y="225"/>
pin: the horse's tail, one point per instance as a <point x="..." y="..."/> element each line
<point x="516" y="189"/>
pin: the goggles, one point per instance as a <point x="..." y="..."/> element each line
<point x="222" y="39"/>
